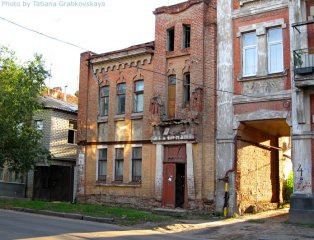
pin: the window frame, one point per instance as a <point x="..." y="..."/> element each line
<point x="102" y="159"/>
<point x="244" y="48"/>
<point x="269" y="44"/>
<point x="186" y="36"/>
<point x="137" y="179"/>
<point x="74" y="130"/>
<point x="171" y="81"/>
<point x="170" y="39"/>
<point x="136" y="94"/>
<point x="121" y="99"/>
<point x="41" y="128"/>
<point x="186" y="88"/>
<point x="118" y="178"/>
<point x="104" y="101"/>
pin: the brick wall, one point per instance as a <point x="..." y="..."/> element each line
<point x="55" y="132"/>
<point x="257" y="171"/>
<point x="130" y="128"/>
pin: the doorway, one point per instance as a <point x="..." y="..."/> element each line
<point x="174" y="177"/>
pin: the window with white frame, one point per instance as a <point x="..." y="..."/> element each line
<point x="118" y="168"/>
<point x="102" y="164"/>
<point x="72" y="131"/>
<point x="249" y="54"/>
<point x="104" y="101"/>
<point x="121" y="98"/>
<point x="139" y="96"/>
<point x="136" y="164"/>
<point x="39" y="125"/>
<point x="275" y="50"/>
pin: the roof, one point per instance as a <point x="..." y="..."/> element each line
<point x="53" y="103"/>
<point x="146" y="46"/>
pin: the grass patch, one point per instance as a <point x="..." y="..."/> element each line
<point x="124" y="216"/>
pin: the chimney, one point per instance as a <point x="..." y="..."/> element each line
<point x="65" y="93"/>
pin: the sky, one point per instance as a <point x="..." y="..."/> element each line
<point x="106" y="26"/>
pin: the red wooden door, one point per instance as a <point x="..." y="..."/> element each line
<point x="169" y="185"/>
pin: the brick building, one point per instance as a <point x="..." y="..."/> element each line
<point x="143" y="112"/>
<point x="302" y="45"/>
<point x="58" y="122"/>
<point x="253" y="103"/>
<point x="53" y="180"/>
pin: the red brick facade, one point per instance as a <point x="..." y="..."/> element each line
<point x="152" y="129"/>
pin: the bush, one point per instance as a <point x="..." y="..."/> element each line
<point x="288" y="187"/>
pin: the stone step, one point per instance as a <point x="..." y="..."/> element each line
<point x="175" y="212"/>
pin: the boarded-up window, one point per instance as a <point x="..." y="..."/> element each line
<point x="136" y="164"/>
<point x="119" y="157"/>
<point x="102" y="164"/>
<point x="171" y="96"/>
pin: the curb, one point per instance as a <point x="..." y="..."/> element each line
<point x="65" y="215"/>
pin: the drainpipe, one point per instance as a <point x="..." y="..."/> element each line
<point x="225" y="179"/>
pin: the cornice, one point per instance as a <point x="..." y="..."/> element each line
<point x="122" y="60"/>
<point x="177" y="8"/>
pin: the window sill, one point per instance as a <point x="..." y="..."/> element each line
<point x="118" y="184"/>
<point x="178" y="53"/>
<point x="262" y="77"/>
<point x="137" y="115"/>
<point x="102" y="119"/>
<point x="120" y="117"/>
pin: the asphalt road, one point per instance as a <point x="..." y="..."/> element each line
<point x="20" y="225"/>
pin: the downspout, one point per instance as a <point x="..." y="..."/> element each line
<point x="86" y="119"/>
<point x="225" y="179"/>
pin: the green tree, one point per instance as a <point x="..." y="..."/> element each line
<point x="20" y="86"/>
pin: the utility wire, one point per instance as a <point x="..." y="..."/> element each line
<point x="42" y="34"/>
<point x="163" y="74"/>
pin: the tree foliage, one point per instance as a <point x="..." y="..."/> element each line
<point x="20" y="86"/>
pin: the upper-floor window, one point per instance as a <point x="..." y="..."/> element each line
<point x="170" y="39"/>
<point x="39" y="125"/>
<point x="139" y="96"/>
<point x="275" y="50"/>
<point x="121" y="98"/>
<point x="186" y="88"/>
<point x="249" y="54"/>
<point x="136" y="164"/>
<point x="102" y="164"/>
<point x="104" y="101"/>
<point x="72" y="131"/>
<point x="171" y="103"/>
<point x="186" y="38"/>
<point x="118" y="169"/>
